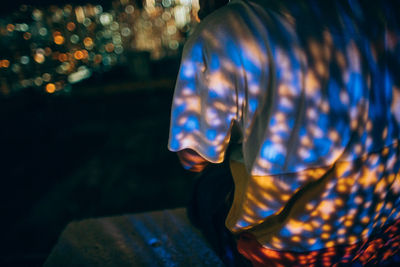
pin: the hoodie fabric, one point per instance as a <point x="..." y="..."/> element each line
<point x="313" y="88"/>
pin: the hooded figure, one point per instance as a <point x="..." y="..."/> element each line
<point x="306" y="96"/>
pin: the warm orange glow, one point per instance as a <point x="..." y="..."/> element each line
<point x="88" y="42"/>
<point x="85" y="53"/>
<point x="109" y="47"/>
<point x="325" y="236"/>
<point x="78" y="55"/>
<point x="63" y="57"/>
<point x="326" y="227"/>
<point x="348" y="223"/>
<point x="59" y="39"/>
<point x="10" y="27"/>
<point x="71" y="26"/>
<point x="4" y="63"/>
<point x="296" y="239"/>
<point x="39" y="58"/>
<point x="27" y="35"/>
<point x="50" y="88"/>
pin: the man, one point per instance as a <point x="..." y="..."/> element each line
<point x="311" y="90"/>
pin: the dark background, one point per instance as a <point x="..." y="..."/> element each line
<point x="99" y="151"/>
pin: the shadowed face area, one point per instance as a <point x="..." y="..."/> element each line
<point x="208" y="6"/>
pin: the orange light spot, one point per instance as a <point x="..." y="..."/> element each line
<point x="85" y="53"/>
<point x="330" y="244"/>
<point x="379" y="206"/>
<point x="352" y="239"/>
<point x="10" y="27"/>
<point x="308" y="227"/>
<point x="62" y="57"/>
<point x="4" y="63"/>
<point x="58" y="39"/>
<point x="285" y="197"/>
<point x="50" y="88"/>
<point x="109" y="47"/>
<point x="365" y="220"/>
<point x="311" y="241"/>
<point x="296" y="239"/>
<point x="338" y="202"/>
<point x="27" y="35"/>
<point x="341" y="188"/>
<point x="348" y="223"/>
<point x="71" y="26"/>
<point x="326" y="227"/>
<point x="325" y="236"/>
<point x="78" y="55"/>
<point x="39" y="58"/>
<point x="88" y="42"/>
<point x="341" y="231"/>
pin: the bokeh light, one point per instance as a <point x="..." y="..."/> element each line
<point x="57" y="40"/>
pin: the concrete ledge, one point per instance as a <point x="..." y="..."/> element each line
<point x="160" y="238"/>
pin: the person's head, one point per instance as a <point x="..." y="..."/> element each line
<point x="208" y="6"/>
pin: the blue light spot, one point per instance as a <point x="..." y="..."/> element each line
<point x="302" y="131"/>
<point x="211" y="134"/>
<point x="286" y="233"/>
<point x="212" y="94"/>
<point x="242" y="224"/>
<point x="174" y="144"/>
<point x="192" y="123"/>
<point x="317" y="245"/>
<point x="250" y="67"/>
<point x="323" y="121"/>
<point x="266" y="213"/>
<point x="253" y="103"/>
<point x="312" y="156"/>
<point x="176" y="130"/>
<point x="336" y="104"/>
<point x="197" y="52"/>
<point x="356" y="87"/>
<point x="214" y="62"/>
<point x="388" y="86"/>
<point x="232" y="52"/>
<point x="211" y="152"/>
<point x="323" y="146"/>
<point x="269" y="153"/>
<point x="187" y="167"/>
<point x="187" y="72"/>
<point x="178" y="110"/>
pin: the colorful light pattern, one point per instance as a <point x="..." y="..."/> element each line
<point x="317" y="106"/>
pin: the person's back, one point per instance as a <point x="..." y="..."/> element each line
<point x="313" y="88"/>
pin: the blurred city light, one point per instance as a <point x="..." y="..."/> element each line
<point x="50" y="48"/>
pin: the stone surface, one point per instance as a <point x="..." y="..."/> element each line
<point x="159" y="238"/>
